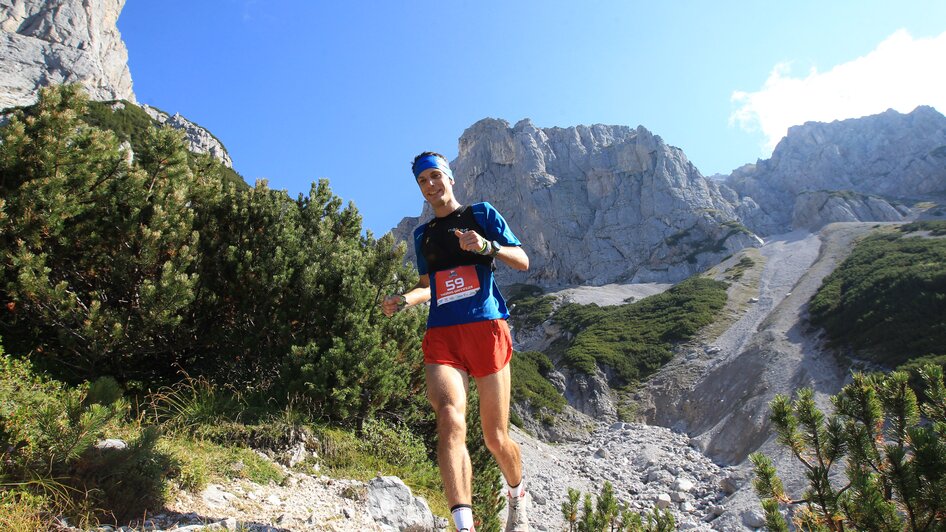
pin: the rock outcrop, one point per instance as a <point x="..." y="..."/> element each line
<point x="71" y="41"/>
<point x="45" y="42"/>
<point x="814" y="210"/>
<point x="394" y="507"/>
<point x="892" y="155"/>
<point x="200" y="140"/>
<point x="596" y="205"/>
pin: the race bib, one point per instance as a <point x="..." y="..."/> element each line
<point x="456" y="283"/>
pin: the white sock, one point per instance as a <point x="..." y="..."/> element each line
<point x="462" y="516"/>
<point x="516" y="491"/>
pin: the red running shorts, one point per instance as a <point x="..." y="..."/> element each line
<point x="480" y="348"/>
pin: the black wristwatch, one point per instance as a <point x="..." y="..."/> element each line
<point x="494" y="248"/>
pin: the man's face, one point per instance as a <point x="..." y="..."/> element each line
<point x="435" y="186"/>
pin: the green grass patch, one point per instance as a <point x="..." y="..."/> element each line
<point x="382" y="449"/>
<point x="887" y="300"/>
<point x="528" y="312"/>
<point x="21" y="511"/>
<point x="736" y="271"/>
<point x="637" y="339"/>
<point x="935" y="227"/>
<point x="199" y="462"/>
<point x="529" y="382"/>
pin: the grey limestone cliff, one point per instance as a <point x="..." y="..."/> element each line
<point x="53" y="42"/>
<point x="200" y="140"/>
<point x="890" y="155"/>
<point x="45" y="42"/>
<point x="814" y="210"/>
<point x="596" y="204"/>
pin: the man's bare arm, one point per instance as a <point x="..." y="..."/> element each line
<point x="513" y="256"/>
<point x="415" y="296"/>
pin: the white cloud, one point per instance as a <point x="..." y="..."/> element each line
<point x="901" y="73"/>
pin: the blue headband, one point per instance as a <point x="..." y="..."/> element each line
<point x="431" y="161"/>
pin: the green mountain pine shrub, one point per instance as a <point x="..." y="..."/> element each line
<point x="887" y="300"/>
<point x="97" y="252"/>
<point x="530" y="383"/>
<point x="895" y="469"/>
<point x="145" y="269"/>
<point x="131" y="124"/>
<point x="529" y="311"/>
<point x="47" y="433"/>
<point x="636" y="339"/>
<point x="606" y="514"/>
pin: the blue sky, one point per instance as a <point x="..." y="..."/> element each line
<point x="299" y="90"/>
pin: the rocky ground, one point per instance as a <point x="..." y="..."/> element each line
<point x="648" y="466"/>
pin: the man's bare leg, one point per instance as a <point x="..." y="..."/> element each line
<point x="446" y="390"/>
<point x="494" y="393"/>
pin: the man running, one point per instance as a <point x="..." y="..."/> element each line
<point x="467" y="335"/>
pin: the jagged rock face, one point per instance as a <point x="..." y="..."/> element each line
<point x="45" y="42"/>
<point x="596" y="205"/>
<point x="890" y="154"/>
<point x="200" y="140"/>
<point x="814" y="210"/>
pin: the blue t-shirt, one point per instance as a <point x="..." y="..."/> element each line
<point x="487" y="302"/>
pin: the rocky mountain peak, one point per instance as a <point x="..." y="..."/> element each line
<point x="595" y="204"/>
<point x="46" y="42"/>
<point x="891" y="155"/>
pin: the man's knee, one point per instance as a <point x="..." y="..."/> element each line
<point x="451" y="422"/>
<point x="495" y="440"/>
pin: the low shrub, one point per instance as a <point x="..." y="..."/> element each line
<point x="888" y="298"/>
<point x="49" y="432"/>
<point x="607" y="514"/>
<point x="636" y="339"/>
<point x="531" y="311"/>
<point x="530" y="384"/>
<point x="736" y="271"/>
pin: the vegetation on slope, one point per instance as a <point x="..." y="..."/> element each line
<point x="636" y="339"/>
<point x="528" y="312"/>
<point x="131" y="123"/>
<point x="530" y="371"/>
<point x="181" y="437"/>
<point x="887" y="300"/>
<point x="141" y="272"/>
